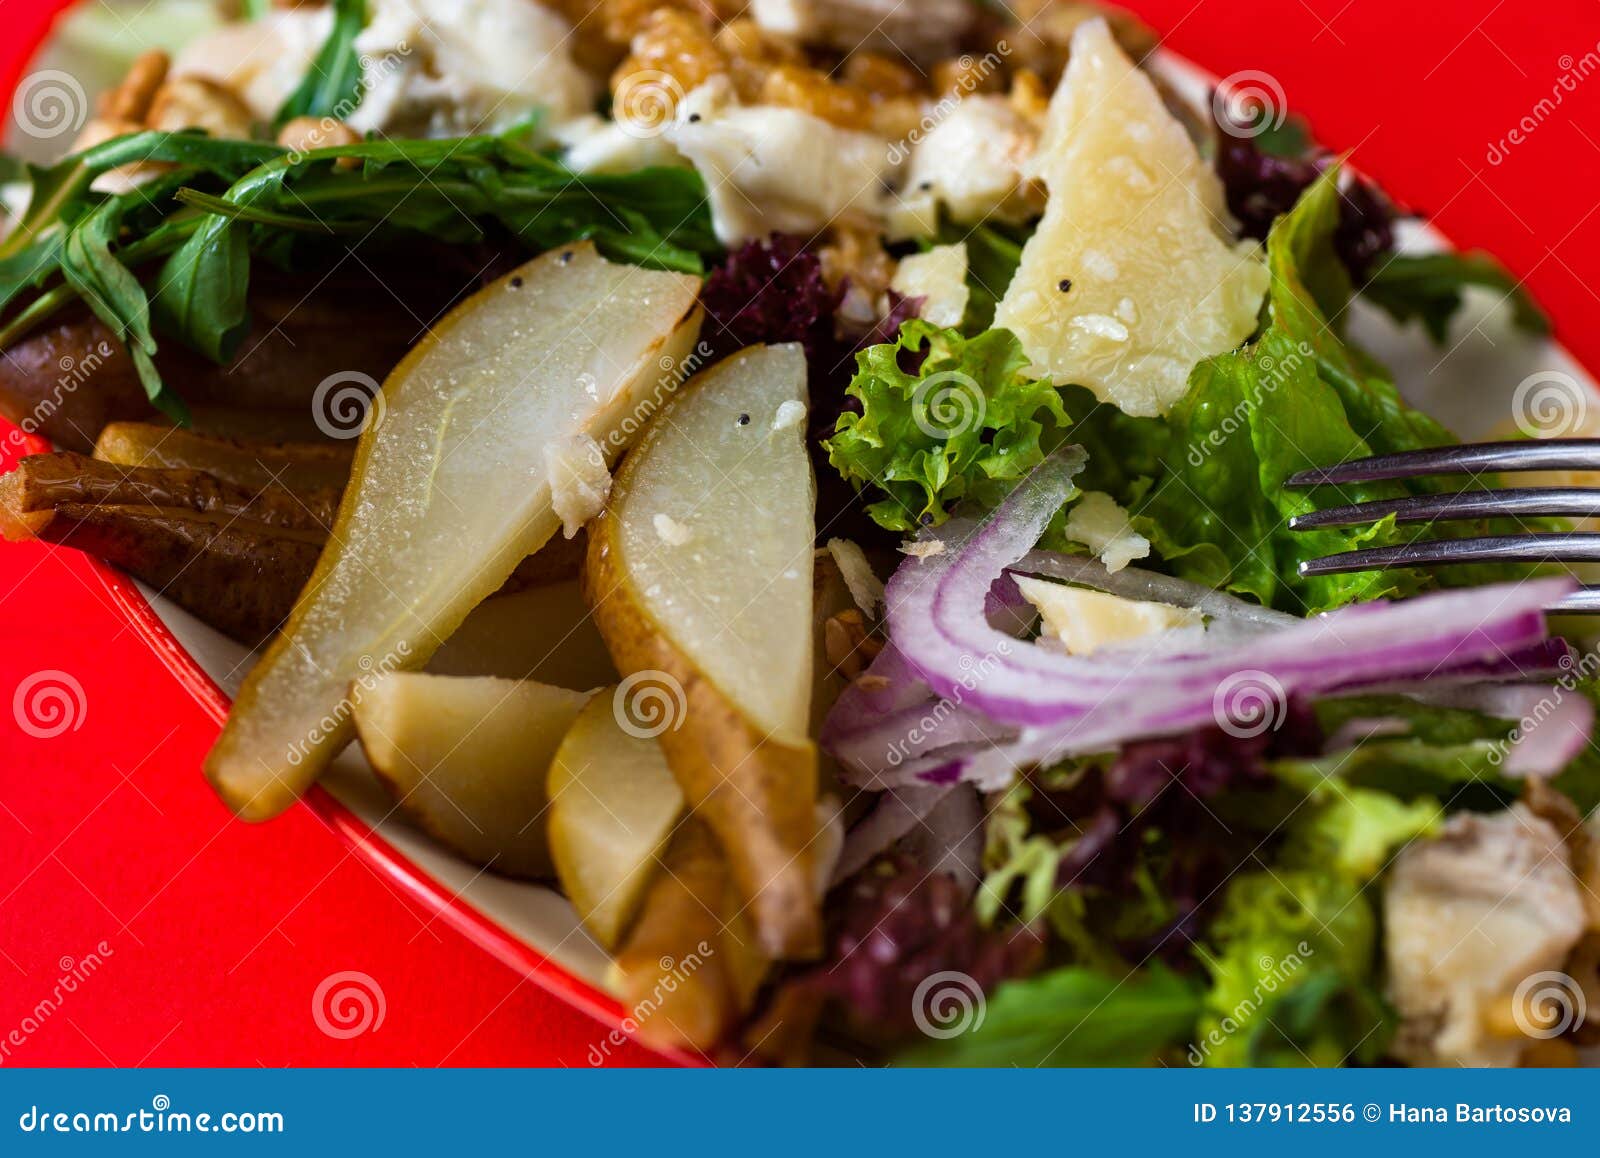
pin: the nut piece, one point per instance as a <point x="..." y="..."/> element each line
<point x="130" y="100"/>
<point x="676" y="44"/>
<point x="848" y="646"/>
<point x="194" y="102"/>
<point x="124" y="178"/>
<point x="302" y="134"/>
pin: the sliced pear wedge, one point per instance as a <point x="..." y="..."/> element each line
<point x="544" y="633"/>
<point x="613" y="806"/>
<point x="467" y="760"/>
<point x="690" y="967"/>
<point x="700" y="577"/>
<point x="450" y="489"/>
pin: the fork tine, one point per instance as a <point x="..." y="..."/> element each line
<point x="1475" y="458"/>
<point x="1583" y="601"/>
<point x="1574" y="547"/>
<point x="1576" y="501"/>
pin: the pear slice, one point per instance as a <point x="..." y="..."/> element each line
<point x="467" y="760"/>
<point x="613" y="805"/>
<point x="544" y="633"/>
<point x="690" y="967"/>
<point x="1131" y="277"/>
<point x="450" y="490"/>
<point x="700" y="577"/>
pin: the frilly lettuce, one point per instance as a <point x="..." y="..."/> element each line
<point x="964" y="424"/>
<point x="1292" y="954"/>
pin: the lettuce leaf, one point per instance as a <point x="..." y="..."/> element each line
<point x="965" y="424"/>
<point x="1293" y="952"/>
<point x="1430" y="287"/>
<point x="1213" y="503"/>
<point x="1073" y="1017"/>
<point x="994" y="250"/>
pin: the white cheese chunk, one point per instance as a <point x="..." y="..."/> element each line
<point x="970" y="157"/>
<point x="1132" y="276"/>
<point x="1085" y="621"/>
<point x="1479" y="919"/>
<point x="1099" y="523"/>
<point x="445" y="68"/>
<point x="579" y="481"/>
<point x="939" y="277"/>
<point x="776" y="170"/>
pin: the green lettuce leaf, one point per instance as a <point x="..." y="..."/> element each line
<point x="965" y="425"/>
<point x="994" y="250"/>
<point x="1073" y="1017"/>
<point x="1293" y="953"/>
<point x="1429" y="287"/>
<point x="1208" y="490"/>
<point x="1449" y="753"/>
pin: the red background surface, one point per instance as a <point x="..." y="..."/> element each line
<point x="220" y="932"/>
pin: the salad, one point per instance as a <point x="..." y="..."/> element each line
<point x="807" y="480"/>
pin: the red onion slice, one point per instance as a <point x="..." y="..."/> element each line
<point x="1064" y="705"/>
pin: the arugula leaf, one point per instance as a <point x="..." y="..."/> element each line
<point x="199" y="227"/>
<point x="61" y="196"/>
<point x="1073" y="1017"/>
<point x="1429" y="287"/>
<point x="331" y="87"/>
<point x="964" y="425"/>
<point x="114" y="295"/>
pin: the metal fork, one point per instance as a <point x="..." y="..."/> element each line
<point x="1473" y="459"/>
